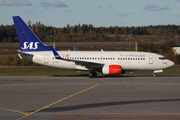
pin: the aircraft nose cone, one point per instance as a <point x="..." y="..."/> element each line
<point x="171" y="63"/>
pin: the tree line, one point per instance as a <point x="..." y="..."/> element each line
<point x="87" y="33"/>
<point x="163" y="49"/>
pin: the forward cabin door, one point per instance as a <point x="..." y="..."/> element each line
<point x="151" y="59"/>
<point x="46" y="59"/>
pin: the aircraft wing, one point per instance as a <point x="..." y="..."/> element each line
<point x="88" y="65"/>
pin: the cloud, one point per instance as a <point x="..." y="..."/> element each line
<point x="123" y="15"/>
<point x="100" y="7"/>
<point x="45" y="4"/>
<point x="70" y="10"/>
<point x="56" y="3"/>
<point x="178" y="14"/>
<point x="16" y="3"/>
<point x="159" y="7"/>
<point x="109" y="6"/>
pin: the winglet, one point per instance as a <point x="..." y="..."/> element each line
<point x="56" y="55"/>
<point x="75" y="48"/>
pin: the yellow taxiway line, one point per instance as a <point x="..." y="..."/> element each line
<point x="14" y="111"/>
<point x="26" y="115"/>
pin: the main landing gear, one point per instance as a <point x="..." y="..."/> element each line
<point x="92" y="74"/>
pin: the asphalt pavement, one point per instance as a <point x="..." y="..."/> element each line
<point x="79" y="97"/>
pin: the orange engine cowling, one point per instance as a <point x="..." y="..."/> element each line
<point x="111" y="69"/>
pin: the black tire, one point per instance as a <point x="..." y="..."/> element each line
<point x="154" y="75"/>
<point x="92" y="74"/>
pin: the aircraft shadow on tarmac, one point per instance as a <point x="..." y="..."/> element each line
<point x="95" y="105"/>
<point x="106" y="76"/>
<point x="85" y="75"/>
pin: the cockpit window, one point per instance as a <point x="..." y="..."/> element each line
<point x="162" y="58"/>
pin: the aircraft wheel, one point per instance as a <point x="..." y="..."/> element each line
<point x="92" y="74"/>
<point x="154" y="75"/>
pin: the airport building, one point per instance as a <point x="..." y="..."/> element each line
<point x="176" y="46"/>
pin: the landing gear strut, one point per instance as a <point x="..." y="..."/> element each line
<point x="92" y="74"/>
<point x="156" y="71"/>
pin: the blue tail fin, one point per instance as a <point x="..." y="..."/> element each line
<point x="28" y="41"/>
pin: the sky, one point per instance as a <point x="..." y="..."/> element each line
<point x="105" y="13"/>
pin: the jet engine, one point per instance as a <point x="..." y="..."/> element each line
<point x="111" y="69"/>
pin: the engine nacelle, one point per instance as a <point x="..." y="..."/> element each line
<point x="111" y="69"/>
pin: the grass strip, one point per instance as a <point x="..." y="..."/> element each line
<point x="53" y="71"/>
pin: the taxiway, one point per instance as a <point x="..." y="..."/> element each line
<point x="79" y="97"/>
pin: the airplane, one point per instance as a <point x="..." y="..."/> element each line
<point x="106" y="62"/>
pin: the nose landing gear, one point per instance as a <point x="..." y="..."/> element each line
<point x="154" y="75"/>
<point x="156" y="71"/>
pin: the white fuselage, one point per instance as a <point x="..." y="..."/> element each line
<point x="129" y="60"/>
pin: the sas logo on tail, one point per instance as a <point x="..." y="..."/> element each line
<point x="31" y="45"/>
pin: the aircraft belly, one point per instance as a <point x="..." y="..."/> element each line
<point x="62" y="64"/>
<point x="134" y="65"/>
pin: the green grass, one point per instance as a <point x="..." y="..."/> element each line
<point x="39" y="71"/>
<point x="53" y="71"/>
<point x="5" y="56"/>
<point x="170" y="71"/>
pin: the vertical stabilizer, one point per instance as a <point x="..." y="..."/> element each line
<point x="28" y="41"/>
